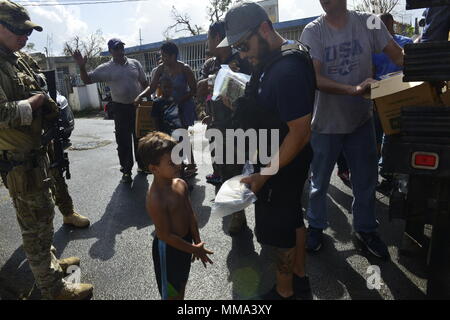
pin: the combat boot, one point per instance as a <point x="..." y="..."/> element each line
<point x="67" y="262"/>
<point x="76" y="220"/>
<point x="238" y="222"/>
<point x="75" y="291"/>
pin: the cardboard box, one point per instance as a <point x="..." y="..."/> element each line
<point x="144" y="121"/>
<point x="391" y="94"/>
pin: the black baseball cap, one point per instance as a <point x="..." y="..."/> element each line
<point x="241" y="20"/>
<point x="114" y="43"/>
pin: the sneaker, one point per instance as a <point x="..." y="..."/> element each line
<point x="274" y="295"/>
<point x="213" y="179"/>
<point x="302" y="288"/>
<point x="314" y="239"/>
<point x="345" y="177"/>
<point x="126" y="178"/>
<point x="374" y="244"/>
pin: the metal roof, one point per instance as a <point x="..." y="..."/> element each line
<point x="203" y="37"/>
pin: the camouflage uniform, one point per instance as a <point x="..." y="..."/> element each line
<point x="28" y="182"/>
<point x="62" y="198"/>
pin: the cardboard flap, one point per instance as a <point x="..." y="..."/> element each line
<point x="390" y="86"/>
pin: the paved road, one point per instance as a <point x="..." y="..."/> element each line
<point x="116" y="249"/>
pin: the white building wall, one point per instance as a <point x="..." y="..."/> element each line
<point x="85" y="97"/>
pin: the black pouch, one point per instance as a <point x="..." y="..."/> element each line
<point x="6" y="166"/>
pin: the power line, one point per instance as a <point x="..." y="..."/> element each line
<point x="47" y="4"/>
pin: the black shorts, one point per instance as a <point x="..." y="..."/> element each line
<point x="178" y="267"/>
<point x="276" y="224"/>
<point x="278" y="210"/>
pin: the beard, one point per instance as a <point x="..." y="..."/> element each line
<point x="264" y="52"/>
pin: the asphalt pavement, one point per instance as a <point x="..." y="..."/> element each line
<point x="116" y="256"/>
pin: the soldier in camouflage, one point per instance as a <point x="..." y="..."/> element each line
<point x="23" y="116"/>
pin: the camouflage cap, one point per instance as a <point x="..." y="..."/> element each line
<point x="16" y="16"/>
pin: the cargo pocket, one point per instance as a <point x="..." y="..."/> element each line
<point x="39" y="179"/>
<point x="17" y="181"/>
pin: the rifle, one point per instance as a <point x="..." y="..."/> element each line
<point x="55" y="133"/>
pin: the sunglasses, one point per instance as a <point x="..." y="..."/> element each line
<point x="118" y="47"/>
<point x="244" y="45"/>
<point x="16" y="31"/>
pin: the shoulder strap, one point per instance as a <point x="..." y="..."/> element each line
<point x="297" y="49"/>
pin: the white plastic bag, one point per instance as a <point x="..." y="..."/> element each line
<point x="234" y="196"/>
<point x="229" y="84"/>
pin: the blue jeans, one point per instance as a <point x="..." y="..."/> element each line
<point x="360" y="152"/>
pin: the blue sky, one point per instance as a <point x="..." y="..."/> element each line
<point x="124" y="20"/>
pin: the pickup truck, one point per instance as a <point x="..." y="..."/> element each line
<point x="419" y="158"/>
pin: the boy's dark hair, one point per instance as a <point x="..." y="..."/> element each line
<point x="217" y="28"/>
<point x="170" y="48"/>
<point x="153" y="146"/>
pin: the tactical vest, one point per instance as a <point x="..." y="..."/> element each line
<point x="248" y="114"/>
<point x="17" y="82"/>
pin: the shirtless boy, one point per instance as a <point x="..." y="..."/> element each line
<point x="170" y="209"/>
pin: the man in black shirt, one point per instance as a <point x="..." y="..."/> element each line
<point x="218" y="115"/>
<point x="283" y="88"/>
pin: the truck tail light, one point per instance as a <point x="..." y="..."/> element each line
<point x="425" y="160"/>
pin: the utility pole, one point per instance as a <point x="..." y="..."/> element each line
<point x="140" y="38"/>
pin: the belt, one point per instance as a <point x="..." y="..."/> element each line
<point x="20" y="158"/>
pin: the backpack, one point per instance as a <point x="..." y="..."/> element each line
<point x="247" y="113"/>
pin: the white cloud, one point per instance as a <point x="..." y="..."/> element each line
<point x="60" y="23"/>
<point x="124" y="20"/>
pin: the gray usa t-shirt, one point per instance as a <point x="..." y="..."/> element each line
<point x="346" y="57"/>
<point x="124" y="80"/>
